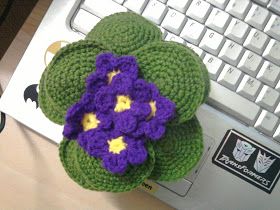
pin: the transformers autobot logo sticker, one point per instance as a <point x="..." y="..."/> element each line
<point x="242" y="151"/>
<point x="248" y="160"/>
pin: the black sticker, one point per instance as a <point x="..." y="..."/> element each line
<point x="31" y="93"/>
<point x="248" y="160"/>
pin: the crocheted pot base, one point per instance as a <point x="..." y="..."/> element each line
<point x="64" y="79"/>
<point x="176" y="72"/>
<point x="124" y="32"/>
<point x="178" y="152"/>
<point x="88" y="172"/>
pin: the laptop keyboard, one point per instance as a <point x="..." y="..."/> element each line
<point x="238" y="40"/>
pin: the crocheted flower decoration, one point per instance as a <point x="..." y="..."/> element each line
<point x="116" y="150"/>
<point x="127" y="100"/>
<point x="117" y="113"/>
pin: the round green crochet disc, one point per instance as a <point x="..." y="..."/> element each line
<point x="88" y="172"/>
<point x="177" y="71"/>
<point x="63" y="81"/>
<point x="124" y="32"/>
<point x="206" y="77"/>
<point x="178" y="152"/>
<point x="67" y="151"/>
<point x="48" y="108"/>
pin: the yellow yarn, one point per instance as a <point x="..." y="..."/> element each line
<point x="90" y="121"/>
<point x="112" y="74"/>
<point x="123" y="103"/>
<point x="153" y="109"/>
<point x="117" y="145"/>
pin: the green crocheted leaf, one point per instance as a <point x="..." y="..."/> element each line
<point x="206" y="77"/>
<point x="124" y="32"/>
<point x="178" y="152"/>
<point x="67" y="151"/>
<point x="48" y="108"/>
<point x="88" y="172"/>
<point x="179" y="74"/>
<point x="63" y="81"/>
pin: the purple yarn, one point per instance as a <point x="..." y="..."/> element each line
<point x="134" y="154"/>
<point x="71" y="131"/>
<point x="76" y="111"/>
<point x="106" y="120"/>
<point x="154" y="130"/>
<point x="94" y="82"/>
<point x="95" y="143"/>
<point x="116" y="164"/>
<point x="122" y="84"/>
<point x="154" y="90"/>
<point x="128" y="65"/>
<point x="74" y="116"/>
<point x="104" y="99"/>
<point x="137" y="152"/>
<point x="105" y="63"/>
<point x="73" y="120"/>
<point x="142" y="91"/>
<point x="139" y="132"/>
<point x="134" y="124"/>
<point x="140" y="110"/>
<point x="125" y="122"/>
<point x="87" y="102"/>
<point x="165" y="109"/>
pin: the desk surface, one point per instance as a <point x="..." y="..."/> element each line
<point x="31" y="175"/>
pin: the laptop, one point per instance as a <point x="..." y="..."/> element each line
<point x="238" y="40"/>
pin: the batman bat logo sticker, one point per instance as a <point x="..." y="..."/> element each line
<point x="31" y="93"/>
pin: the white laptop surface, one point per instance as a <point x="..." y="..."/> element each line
<point x="240" y="166"/>
<point x="18" y="99"/>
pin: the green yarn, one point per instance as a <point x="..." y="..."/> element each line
<point x="67" y="154"/>
<point x="124" y="32"/>
<point x="63" y="81"/>
<point x="177" y="73"/>
<point x="178" y="152"/>
<point x="205" y="76"/>
<point x="48" y="108"/>
<point x="88" y="172"/>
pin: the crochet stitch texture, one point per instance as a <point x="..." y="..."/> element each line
<point x="117" y="114"/>
<point x="174" y="69"/>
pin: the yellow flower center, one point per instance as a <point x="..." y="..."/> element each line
<point x="153" y="109"/>
<point x="117" y="145"/>
<point x="111" y="74"/>
<point x="123" y="103"/>
<point x="90" y="121"/>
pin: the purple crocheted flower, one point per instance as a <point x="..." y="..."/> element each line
<point x="117" y="113"/>
<point x="82" y="116"/>
<point x="125" y="122"/>
<point x="108" y="67"/>
<point x="105" y="99"/>
<point x="116" y="150"/>
<point x="151" y="108"/>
